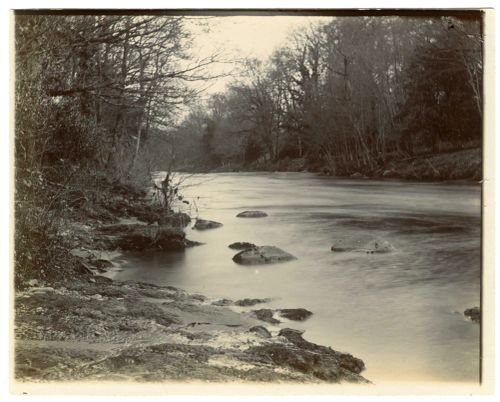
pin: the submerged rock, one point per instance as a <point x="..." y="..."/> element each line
<point x="260" y="330"/>
<point x="251" y="214"/>
<point x="262" y="255"/>
<point x="474" y="314"/>
<point x="265" y="314"/>
<point x="295" y="314"/>
<point x="250" y="302"/>
<point x="241" y="245"/>
<point x="378" y="246"/>
<point x="202" y="224"/>
<point x="373" y="246"/>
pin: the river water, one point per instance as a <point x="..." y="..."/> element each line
<point x="400" y="312"/>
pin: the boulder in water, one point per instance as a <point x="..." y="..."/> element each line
<point x="142" y="237"/>
<point x="295" y="314"/>
<point x="265" y="314"/>
<point x="251" y="214"/>
<point x="202" y="224"/>
<point x="241" y="245"/>
<point x="474" y="314"/>
<point x="250" y="302"/>
<point x="262" y="255"/>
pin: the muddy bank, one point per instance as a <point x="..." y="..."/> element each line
<point x="108" y="330"/>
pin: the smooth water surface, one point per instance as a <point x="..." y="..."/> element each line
<point x="400" y="312"/>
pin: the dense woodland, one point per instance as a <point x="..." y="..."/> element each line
<point x="347" y="96"/>
<point x="101" y="100"/>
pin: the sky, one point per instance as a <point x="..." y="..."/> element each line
<point x="245" y="36"/>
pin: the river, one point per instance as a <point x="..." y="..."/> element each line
<point x="400" y="312"/>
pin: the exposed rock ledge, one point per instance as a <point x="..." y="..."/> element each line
<point x="105" y="330"/>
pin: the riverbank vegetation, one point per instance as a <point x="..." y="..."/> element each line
<point x="93" y="98"/>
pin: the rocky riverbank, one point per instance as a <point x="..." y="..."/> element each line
<point x="108" y="330"/>
<point x="84" y="326"/>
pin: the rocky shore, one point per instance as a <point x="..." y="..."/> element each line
<point x="108" y="330"/>
<point x="85" y="326"/>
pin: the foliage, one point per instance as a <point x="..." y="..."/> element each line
<point x="350" y="95"/>
<point x="91" y="92"/>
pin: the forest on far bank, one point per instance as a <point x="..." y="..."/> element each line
<point x="346" y="96"/>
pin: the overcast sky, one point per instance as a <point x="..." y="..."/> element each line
<point x="246" y="36"/>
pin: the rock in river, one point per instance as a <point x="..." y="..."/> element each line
<point x="251" y="214"/>
<point x="250" y="302"/>
<point x="295" y="314"/>
<point x="474" y="314"/>
<point x="262" y="255"/>
<point x="266" y="314"/>
<point x="143" y="237"/>
<point x="202" y="224"/>
<point x="241" y="245"/>
<point x="373" y="246"/>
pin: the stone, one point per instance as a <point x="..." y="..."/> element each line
<point x="295" y="314"/>
<point x="260" y="330"/>
<point x="243" y="245"/>
<point x="321" y="362"/>
<point x="44" y="289"/>
<point x="251" y="214"/>
<point x="142" y="237"/>
<point x="102" y="263"/>
<point x="33" y="282"/>
<point x="222" y="302"/>
<point x="262" y="255"/>
<point x="474" y="314"/>
<point x="265" y="314"/>
<point x="202" y="224"/>
<point x="102" y="279"/>
<point x="250" y="302"/>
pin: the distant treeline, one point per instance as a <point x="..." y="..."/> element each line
<point x="346" y="96"/>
